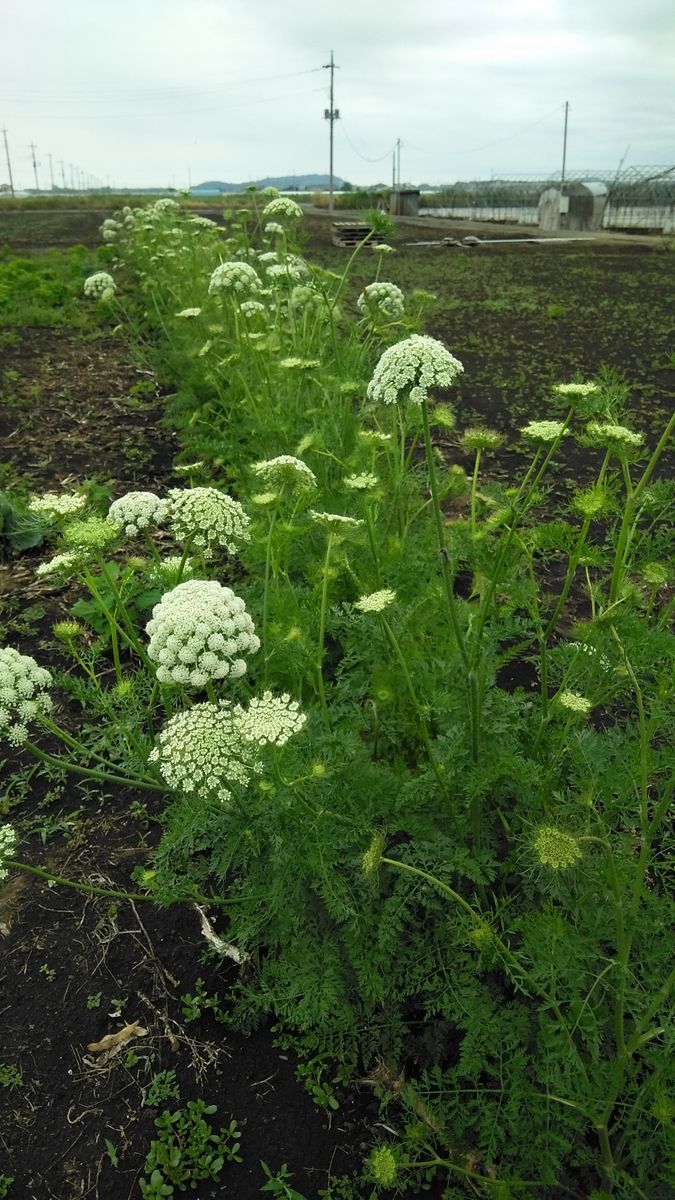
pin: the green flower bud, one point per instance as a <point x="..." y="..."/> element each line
<point x="383" y="1166"/>
<point x="555" y="848"/>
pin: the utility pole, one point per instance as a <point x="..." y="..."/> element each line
<point x="398" y="163"/>
<point x="331" y="114"/>
<point x="72" y="177"/>
<point x="9" y="165"/>
<point x="51" y="170"/>
<point x="33" y="148"/>
<point x="562" y="174"/>
<point x="63" y="174"/>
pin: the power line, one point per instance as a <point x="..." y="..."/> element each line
<point x="380" y="157"/>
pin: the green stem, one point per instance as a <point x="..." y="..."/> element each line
<point x="90" y="773"/>
<point x="474" y="489"/>
<point x="322" y="628"/>
<point x="266" y="596"/>
<point x="625" y="532"/>
<point x="440" y="535"/>
<point x="197" y="898"/>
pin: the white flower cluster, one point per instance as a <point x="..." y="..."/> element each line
<point x="22" y="694"/>
<point x="91" y="535"/>
<point x="101" y="286"/>
<point x="199" y="632"/>
<point x="110" y="229"/>
<point x="273" y="228"/>
<point x="382" y="300"/>
<point x="285" y="469"/>
<point x="211" y="746"/>
<point x="361" y="483"/>
<point x="410" y="368"/>
<point x="289" y="272"/>
<point x="52" y="505"/>
<point x="136" y="511"/>
<point x="189" y="312"/>
<point x="575" y="389"/>
<point x="237" y="277"/>
<point x="334" y="521"/>
<point x="543" y="431"/>
<point x="617" y="437"/>
<point x="269" y="719"/>
<point x="252" y="308"/>
<point x="8" y="843"/>
<point x="305" y="298"/>
<point x="574" y="702"/>
<point x="60" y="564"/>
<point x="208" y="517"/>
<point x="376" y="601"/>
<point x="282" y="207"/>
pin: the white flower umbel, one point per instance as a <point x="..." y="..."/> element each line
<point x="382" y="300"/>
<point x="334" y="521"/>
<point x="269" y="719"/>
<point x="137" y="511"/>
<point x="575" y="389"/>
<point x="101" y="286"/>
<point x="364" y="482"/>
<point x="410" y="368"/>
<point x="23" y="695"/>
<point x="189" y="312"/>
<point x="211" y="746"/>
<point x="252" y="308"/>
<point x="285" y="470"/>
<point x="543" y="431"/>
<point x="282" y="207"/>
<point x="574" y="702"/>
<point x="616" y="437"/>
<point x="239" y="278"/>
<point x="8" y="844"/>
<point x="52" y="505"/>
<point x="199" y="632"/>
<point x="274" y="229"/>
<point x="208" y="518"/>
<point x="376" y="601"/>
<point x="60" y="564"/>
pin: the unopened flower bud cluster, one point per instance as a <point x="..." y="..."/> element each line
<point x="410" y="368"/>
<point x="23" y="696"/>
<point x="101" y="286"/>
<point x="382" y="299"/>
<point x="199" y="632"/>
<point x="286" y="469"/>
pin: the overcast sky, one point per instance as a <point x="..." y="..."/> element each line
<point x="156" y="92"/>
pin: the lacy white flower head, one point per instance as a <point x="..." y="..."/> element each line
<point x="336" y="522"/>
<point x="208" y="517"/>
<point x="282" y="207"/>
<point x="374" y="436"/>
<point x="615" y="437"/>
<point x="188" y="313"/>
<point x="61" y="564"/>
<point x="287" y="272"/>
<point x="240" y="278"/>
<point x="410" y="368"/>
<point x="137" y="511"/>
<point x="212" y="746"/>
<point x="165" y="205"/>
<point x="203" y="223"/>
<point x="110" y="229"/>
<point x="286" y="471"/>
<point x="265" y="260"/>
<point x="100" y="285"/>
<point x="199" y="632"/>
<point x="8" y="844"/>
<point x="23" y="695"/>
<point x="305" y="298"/>
<point x="575" y="389"/>
<point x="543" y="431"/>
<point x="382" y="300"/>
<point x="52" y="505"/>
<point x="376" y="601"/>
<point x="365" y="482"/>
<point x="574" y="702"/>
<point x="299" y="364"/>
<point x="274" y="229"/>
<point x="382" y="248"/>
<point x="252" y="308"/>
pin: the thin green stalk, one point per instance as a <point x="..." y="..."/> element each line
<point x="266" y="596"/>
<point x="322" y="628"/>
<point x="474" y="490"/>
<point x="440" y="535"/>
<point x="629" y="510"/>
<point x="91" y="773"/>
<point x="197" y="898"/>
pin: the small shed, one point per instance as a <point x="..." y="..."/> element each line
<point x="577" y="206"/>
<point x="405" y="202"/>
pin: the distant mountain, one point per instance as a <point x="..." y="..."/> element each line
<point x="284" y="183"/>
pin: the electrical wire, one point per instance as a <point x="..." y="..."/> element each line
<point x="380" y="158"/>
